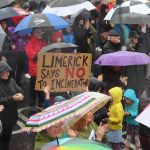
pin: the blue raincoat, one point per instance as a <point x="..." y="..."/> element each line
<point x="133" y="108"/>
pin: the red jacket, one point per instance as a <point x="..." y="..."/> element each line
<point x="33" y="46"/>
<point x="17" y="19"/>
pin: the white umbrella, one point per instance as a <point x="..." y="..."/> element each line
<point x="5" y="2"/>
<point x="69" y="10"/>
<point x="132" y="6"/>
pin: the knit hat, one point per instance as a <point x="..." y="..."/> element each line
<point x="58" y="99"/>
<point x="113" y="33"/>
<point x="26" y="5"/>
<point x="134" y="34"/>
<point x="4" y="66"/>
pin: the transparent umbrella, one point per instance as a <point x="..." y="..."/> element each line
<point x="2" y="37"/>
<point x="4" y="3"/>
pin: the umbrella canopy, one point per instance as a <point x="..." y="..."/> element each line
<point x="68" y="8"/>
<point x="2" y="37"/>
<point x="132" y="6"/>
<point x="131" y="18"/>
<point x="123" y="58"/>
<point x="143" y="117"/>
<point x="94" y="1"/>
<point x="62" y="45"/>
<point x="5" y="2"/>
<point x="64" y="3"/>
<point x="9" y="12"/>
<point x="42" y="20"/>
<point x="75" y="144"/>
<point x="76" y="107"/>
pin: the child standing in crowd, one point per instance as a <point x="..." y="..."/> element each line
<point x="131" y="111"/>
<point x="116" y="114"/>
<point x="68" y="36"/>
<point x="50" y="101"/>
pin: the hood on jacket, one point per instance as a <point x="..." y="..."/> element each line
<point x="130" y="94"/>
<point x="116" y="94"/>
<point x="94" y="84"/>
<point x="4" y="66"/>
<point x="103" y="9"/>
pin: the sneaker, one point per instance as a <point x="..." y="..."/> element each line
<point x="27" y="76"/>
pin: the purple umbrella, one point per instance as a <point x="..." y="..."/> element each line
<point x="123" y="58"/>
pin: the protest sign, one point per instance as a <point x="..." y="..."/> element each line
<point x="63" y="71"/>
<point x="143" y="117"/>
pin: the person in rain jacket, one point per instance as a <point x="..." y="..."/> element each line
<point x="33" y="46"/>
<point x="131" y="111"/>
<point x="52" y="133"/>
<point x="48" y="135"/>
<point x="116" y="114"/>
<point x="144" y="102"/>
<point x="68" y="35"/>
<point x="10" y="94"/>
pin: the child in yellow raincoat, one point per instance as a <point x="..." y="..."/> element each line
<point x="116" y="114"/>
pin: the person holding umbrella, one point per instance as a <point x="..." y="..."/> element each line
<point x="8" y="47"/>
<point x="33" y="46"/>
<point x="114" y="42"/>
<point x="50" y="134"/>
<point x="86" y="128"/>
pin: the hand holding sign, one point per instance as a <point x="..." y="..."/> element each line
<point x="46" y="90"/>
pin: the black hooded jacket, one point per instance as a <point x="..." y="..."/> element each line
<point x="110" y="47"/>
<point x="8" y="88"/>
<point x="104" y="26"/>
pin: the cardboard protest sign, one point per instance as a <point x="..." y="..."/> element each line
<point x="63" y="71"/>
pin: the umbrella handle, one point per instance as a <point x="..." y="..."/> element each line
<point x="57" y="141"/>
<point x="66" y="125"/>
<point x="123" y="71"/>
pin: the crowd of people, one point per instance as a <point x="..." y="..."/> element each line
<point x="128" y="87"/>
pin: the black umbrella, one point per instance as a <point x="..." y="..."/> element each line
<point x="2" y="37"/>
<point x="64" y="3"/>
<point x="62" y="45"/>
<point x="4" y="3"/>
<point x="131" y="18"/>
<point x="9" y="12"/>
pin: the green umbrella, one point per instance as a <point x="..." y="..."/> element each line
<point x="75" y="144"/>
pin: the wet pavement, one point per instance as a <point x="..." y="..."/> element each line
<point x="22" y="140"/>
